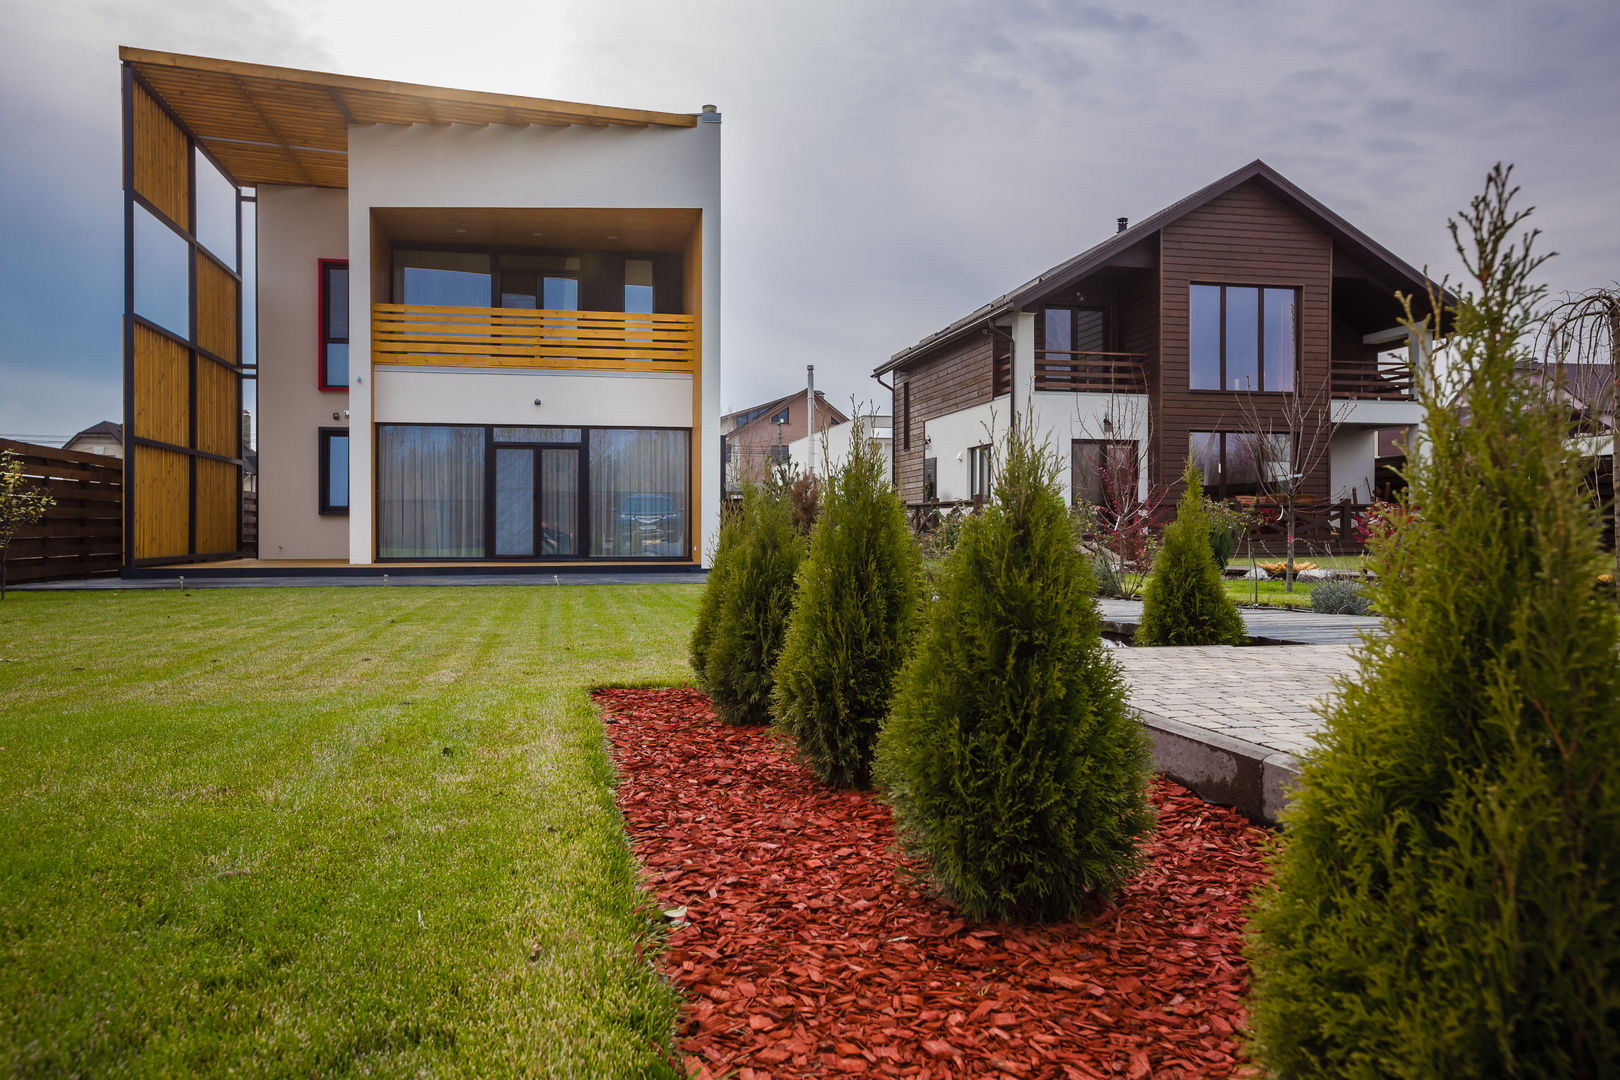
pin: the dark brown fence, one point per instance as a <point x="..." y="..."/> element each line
<point x="82" y="535"/>
<point x="250" y="521"/>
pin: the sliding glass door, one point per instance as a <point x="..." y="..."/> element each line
<point x="536" y="503"/>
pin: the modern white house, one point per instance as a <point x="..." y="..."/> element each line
<point x="827" y="450"/>
<point x="484" y="328"/>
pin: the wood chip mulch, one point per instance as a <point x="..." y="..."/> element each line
<point x="805" y="950"/>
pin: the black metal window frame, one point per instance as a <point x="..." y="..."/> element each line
<point x="325" y="337"/>
<point x="325" y="436"/>
<point x="582" y="497"/>
<point x="1260" y="335"/>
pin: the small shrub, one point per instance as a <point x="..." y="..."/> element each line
<point x="1010" y="758"/>
<point x="1334" y="597"/>
<point x="853" y="622"/>
<point x="754" y="599"/>
<point x="803" y="493"/>
<point x="1227" y="524"/>
<point x="1186" y="602"/>
<point x="1109" y="582"/>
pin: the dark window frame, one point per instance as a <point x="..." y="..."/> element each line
<point x="1131" y="446"/>
<point x="1218" y="490"/>
<point x="323" y="336"/>
<point x="1074" y="310"/>
<point x="981" y="473"/>
<point x="905" y="415"/>
<point x="1259" y="340"/>
<point x="325" y="505"/>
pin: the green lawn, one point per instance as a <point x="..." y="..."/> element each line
<point x="325" y="832"/>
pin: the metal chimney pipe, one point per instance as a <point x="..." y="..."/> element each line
<point x="810" y="424"/>
<point x="1124" y="223"/>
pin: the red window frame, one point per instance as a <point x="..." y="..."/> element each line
<point x="322" y="328"/>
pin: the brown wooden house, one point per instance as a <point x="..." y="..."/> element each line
<point x="1168" y="339"/>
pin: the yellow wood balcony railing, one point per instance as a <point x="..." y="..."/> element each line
<point x="427" y="336"/>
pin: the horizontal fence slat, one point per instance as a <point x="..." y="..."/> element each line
<point x="82" y="534"/>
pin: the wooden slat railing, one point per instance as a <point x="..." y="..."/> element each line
<point x="82" y="535"/>
<point x="1370" y="379"/>
<point x="430" y="336"/>
<point x="1064" y="370"/>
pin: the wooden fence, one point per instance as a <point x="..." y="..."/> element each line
<point x="82" y="535"/>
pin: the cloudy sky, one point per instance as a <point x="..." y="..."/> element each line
<point x="888" y="166"/>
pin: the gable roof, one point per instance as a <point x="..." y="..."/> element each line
<point x="1094" y="258"/>
<point x="278" y="125"/>
<point x="757" y="413"/>
<point x="106" y="429"/>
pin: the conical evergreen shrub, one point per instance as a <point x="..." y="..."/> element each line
<point x="854" y="620"/>
<point x="709" y="603"/>
<point x="1010" y="758"/>
<point x="754" y="599"/>
<point x="1185" y="602"/>
<point x="1446" y="895"/>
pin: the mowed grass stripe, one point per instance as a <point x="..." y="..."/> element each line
<point x="231" y="843"/>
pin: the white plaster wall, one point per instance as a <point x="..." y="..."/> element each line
<point x="1352" y="459"/>
<point x="815" y="454"/>
<point x="460" y="396"/>
<point x="948" y="438"/>
<point x="297" y="227"/>
<point x="1378" y="414"/>
<point x="500" y="166"/>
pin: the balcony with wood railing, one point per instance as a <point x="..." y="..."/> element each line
<point x="1069" y="371"/>
<point x="1374" y="379"/>
<point x="421" y="335"/>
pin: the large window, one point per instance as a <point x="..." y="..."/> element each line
<point x="1102" y="471"/>
<point x="1071" y="330"/>
<point x="639" y="480"/>
<point x="1243" y="337"/>
<point x="532" y="492"/>
<point x="443" y="278"/>
<point x="638" y="286"/>
<point x="1241" y="463"/>
<point x="334" y="466"/>
<point x="334" y="333"/>
<point x="430" y="492"/>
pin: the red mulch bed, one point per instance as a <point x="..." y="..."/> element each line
<point x="807" y="951"/>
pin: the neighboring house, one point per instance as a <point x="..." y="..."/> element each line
<point x="756" y="439"/>
<point x="1155" y="344"/>
<point x="103" y="438"/>
<point x="829" y="449"/>
<point x="487" y="325"/>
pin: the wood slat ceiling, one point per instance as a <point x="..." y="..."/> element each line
<point x="271" y="125"/>
<point x="536" y="227"/>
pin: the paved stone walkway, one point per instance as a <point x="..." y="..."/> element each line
<point x="1267" y="624"/>
<point x="1265" y="695"/>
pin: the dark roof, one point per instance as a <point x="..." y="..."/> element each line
<point x="106" y="427"/>
<point x="1592" y="385"/>
<point x="1096" y="257"/>
<point x="749" y="415"/>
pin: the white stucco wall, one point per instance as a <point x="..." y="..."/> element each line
<point x="297" y="227"/>
<point x="500" y="166"/>
<point x="1352" y="460"/>
<point x="947" y="439"/>
<point x="818" y="455"/>
<point x="574" y="399"/>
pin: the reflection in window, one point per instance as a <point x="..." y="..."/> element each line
<point x="334" y="358"/>
<point x="162" y="274"/>
<point x="334" y="465"/>
<point x="639" y="484"/>
<point x="216" y="210"/>
<point x="442" y="278"/>
<point x="250" y="283"/>
<point x="1205" y="337"/>
<point x="537" y="434"/>
<point x="1102" y="472"/>
<point x="978" y="472"/>
<point x="1240" y="463"/>
<point x="559" y="293"/>
<point x="638" y="286"/>
<point x="430" y="492"/>
<point x="1242" y="338"/>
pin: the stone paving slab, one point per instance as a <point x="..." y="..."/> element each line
<point x="1230" y="722"/>
<point x="1266" y="624"/>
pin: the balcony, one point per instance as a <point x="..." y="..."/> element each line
<point x="1370" y="379"/>
<point x="521" y="338"/>
<point x="1067" y="371"/>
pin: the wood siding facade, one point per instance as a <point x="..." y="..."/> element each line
<point x="959" y="375"/>
<point x="1244" y="237"/>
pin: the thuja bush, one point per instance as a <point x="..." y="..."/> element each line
<point x="1009" y="757"/>
<point x="752" y="603"/>
<point x="1444" y="896"/>
<point x="1185" y="602"/>
<point x="709" y="603"/>
<point x="854" y="620"/>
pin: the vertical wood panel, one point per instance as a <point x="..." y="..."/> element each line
<point x="1244" y="237"/>
<point x="162" y="388"/>
<point x="217" y="493"/>
<point x="161" y="168"/>
<point x="217" y="417"/>
<point x="162" y="521"/>
<point x="216" y="309"/>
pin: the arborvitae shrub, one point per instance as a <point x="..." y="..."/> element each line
<point x="1010" y="757"/>
<point x="854" y="620"/>
<point x="1185" y="602"/>
<point x="713" y="589"/>
<point x="753" y="602"/>
<point x="1446" y="895"/>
